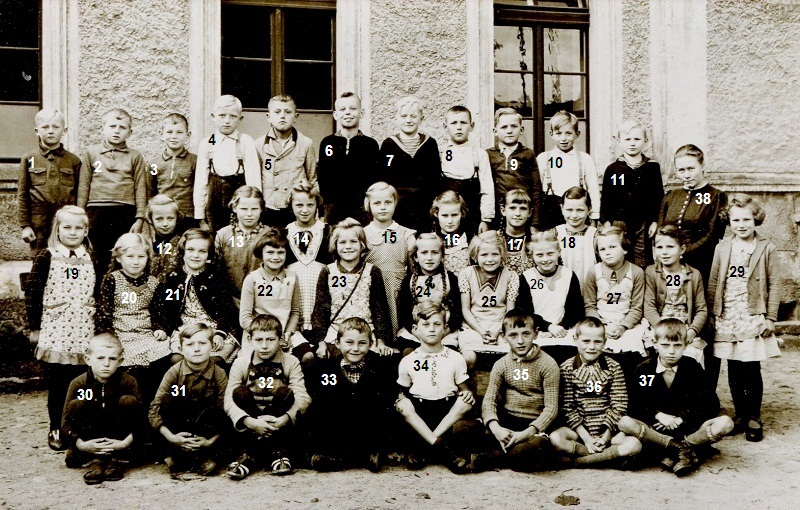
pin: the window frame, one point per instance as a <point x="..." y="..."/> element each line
<point x="38" y="50"/>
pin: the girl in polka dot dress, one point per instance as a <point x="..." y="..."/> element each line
<point x="448" y="212"/>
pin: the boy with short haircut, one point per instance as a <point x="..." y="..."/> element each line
<point x="288" y="156"/>
<point x="226" y="161"/>
<point x="671" y="406"/>
<point x="434" y="394"/>
<point x="175" y="169"/>
<point x="188" y="407"/>
<point x="593" y="399"/>
<point x="513" y="165"/>
<point x="113" y="186"/>
<point x="353" y="395"/>
<point x="101" y="411"/>
<point x="48" y="179"/>
<point x="264" y="399"/>
<point x="347" y="162"/>
<point x="466" y="168"/>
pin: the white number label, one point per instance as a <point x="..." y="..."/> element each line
<point x="129" y="298"/>
<point x="164" y="248"/>
<point x="328" y="379"/>
<point x="389" y="159"/>
<point x="646" y="380"/>
<point x="153" y="169"/>
<point x="328" y="150"/>
<point x="178" y="390"/>
<point x="702" y="198"/>
<point x="85" y="394"/>
<point x="514" y="164"/>
<point x="172" y="295"/>
<point x="594" y="387"/>
<point x="265" y="382"/>
<point x="236" y="241"/>
<point x="97" y="165"/>
<point x="521" y="374"/>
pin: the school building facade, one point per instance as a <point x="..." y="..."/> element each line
<point x="720" y="74"/>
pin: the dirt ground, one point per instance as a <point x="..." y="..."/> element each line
<point x="747" y="475"/>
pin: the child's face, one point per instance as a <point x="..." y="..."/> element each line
<point x="449" y="217"/>
<point x="516" y="214"/>
<point x="690" y="171"/>
<point x="668" y="250"/>
<point x="743" y="224"/>
<point x="348" y="112"/>
<point x="590" y="343"/>
<point x="133" y="261"/>
<point x="430" y="331"/>
<point x="195" y="254"/>
<point x="104" y="361"/>
<point x="72" y="231"/>
<point x="354" y="345"/>
<point x="575" y="212"/>
<point x="382" y="205"/>
<point x="508" y="129"/>
<point x="459" y="126"/>
<point x="520" y="339"/>
<point x="610" y="250"/>
<point x="489" y="257"/>
<point x="227" y="119"/>
<point x="632" y="142"/>
<point x="429" y="255"/>
<point x="565" y="137"/>
<point x="197" y="348"/>
<point x="670" y="351"/>
<point x="274" y="258"/>
<point x="50" y="132"/>
<point x="165" y="218"/>
<point x="174" y="135"/>
<point x="265" y="344"/>
<point x="545" y="256"/>
<point x="116" y="130"/>
<point x="248" y="212"/>
<point x="304" y="209"/>
<point x="409" y="119"/>
<point x="348" y="246"/>
<point x="282" y="115"/>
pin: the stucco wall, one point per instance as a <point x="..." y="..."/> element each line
<point x="417" y="47"/>
<point x="636" y="61"/>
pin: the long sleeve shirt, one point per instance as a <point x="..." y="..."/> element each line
<point x="113" y="176"/>
<point x="175" y="178"/>
<point x="461" y="162"/>
<point x="266" y="294"/>
<point x="655" y="295"/>
<point x="346" y="168"/>
<point x="206" y="388"/>
<point x="593" y="395"/>
<point x="48" y="179"/>
<point x="634" y="314"/>
<point x="574" y="164"/>
<point x="632" y="195"/>
<point x="285" y="164"/>
<point x="106" y="395"/>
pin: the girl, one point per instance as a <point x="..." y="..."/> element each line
<point x="632" y="192"/>
<point x="428" y="280"/>
<point x="745" y="296"/>
<point x="60" y="303"/>
<point x="350" y="287"/>
<point x="388" y="243"/>
<point x="552" y="294"/>
<point x="575" y="236"/>
<point x="448" y="213"/>
<point x="235" y="242"/>
<point x="488" y="291"/>
<point x="675" y="290"/>
<point x="515" y="229"/>
<point x="162" y="219"/>
<point x="308" y="245"/>
<point x="195" y="291"/>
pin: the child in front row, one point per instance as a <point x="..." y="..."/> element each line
<point x="448" y="212"/>
<point x="188" y="407"/>
<point x="670" y="406"/>
<point x="515" y="228"/>
<point x="265" y="397"/>
<point x="593" y="400"/>
<point x="575" y="236"/>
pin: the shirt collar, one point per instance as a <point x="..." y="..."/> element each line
<point x="208" y="372"/>
<point x="578" y="362"/>
<point x="108" y="148"/>
<point x="661" y="368"/>
<point x="182" y="154"/>
<point x="509" y="150"/>
<point x="233" y="136"/>
<point x="268" y="277"/>
<point x="528" y="356"/>
<point x="80" y="252"/>
<point x="50" y="153"/>
<point x="271" y="134"/>
<point x="339" y="133"/>
<point x="622" y="159"/>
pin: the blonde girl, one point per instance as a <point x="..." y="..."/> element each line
<point x="449" y="212"/>
<point x="162" y="226"/>
<point x="515" y="210"/>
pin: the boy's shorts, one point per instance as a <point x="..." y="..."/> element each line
<point x="433" y="412"/>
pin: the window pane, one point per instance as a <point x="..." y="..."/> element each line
<point x="16" y="129"/>
<point x="310" y="85"/>
<point x="563" y="92"/>
<point x="308" y="35"/>
<point x="20" y="75"/>
<point x="527" y="134"/>
<point x="245" y="31"/>
<point x="562" y="50"/>
<point x="580" y="143"/>
<point x="513" y="48"/>
<point x="514" y="90"/>
<point x="580" y="4"/>
<point x="19" y="23"/>
<point x="248" y="80"/>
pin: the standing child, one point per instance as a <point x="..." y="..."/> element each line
<point x="163" y="218"/>
<point x="174" y="174"/>
<point x="389" y="244"/>
<point x="575" y="236"/>
<point x="48" y="179"/>
<point x="515" y="229"/>
<point x="60" y="302"/>
<point x="632" y="192"/>
<point x="410" y="162"/>
<point x="226" y="161"/>
<point x="466" y="169"/>
<point x="564" y="167"/>
<point x="448" y="212"/>
<point x="745" y="295"/>
<point x="488" y="291"/>
<point x="113" y="186"/>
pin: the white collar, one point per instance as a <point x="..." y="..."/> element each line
<point x="62" y="250"/>
<point x="661" y="368"/>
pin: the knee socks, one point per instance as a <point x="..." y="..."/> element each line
<point x="653" y="436"/>
<point x="702" y="436"/>
<point x="607" y="454"/>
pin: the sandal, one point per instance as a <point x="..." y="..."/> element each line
<point x="754" y="434"/>
<point x="281" y="467"/>
<point x="239" y="470"/>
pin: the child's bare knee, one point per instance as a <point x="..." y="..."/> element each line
<point x="630" y="446"/>
<point x="629" y="426"/>
<point x="722" y="425"/>
<point x="471" y="358"/>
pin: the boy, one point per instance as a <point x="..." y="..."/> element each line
<point x="174" y="174"/>
<point x="671" y="406"/>
<point x="564" y="167"/>
<point x="466" y="169"/>
<point x="226" y="161"/>
<point x="513" y="165"/>
<point x="593" y="399"/>
<point x="409" y="161"/>
<point x="188" y="407"/>
<point x="288" y="156"/>
<point x="434" y="394"/>
<point x="521" y="399"/>
<point x="113" y="186"/>
<point x="353" y="395"/>
<point x="100" y="412"/>
<point x="265" y="396"/>
<point x="48" y="179"/>
<point x="347" y="162"/>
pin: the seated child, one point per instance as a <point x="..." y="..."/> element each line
<point x="264" y="399"/>
<point x="575" y="236"/>
<point x="521" y="400"/>
<point x="448" y="213"/>
<point x="670" y="411"/>
<point x="433" y="391"/>
<point x="163" y="227"/>
<point x="353" y="395"/>
<point x="593" y="399"/>
<point x="188" y="407"/>
<point x="100" y="413"/>
<point x="173" y="174"/>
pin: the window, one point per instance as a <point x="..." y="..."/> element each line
<point x="20" y="60"/>
<point x="270" y="48"/>
<point x="541" y="64"/>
